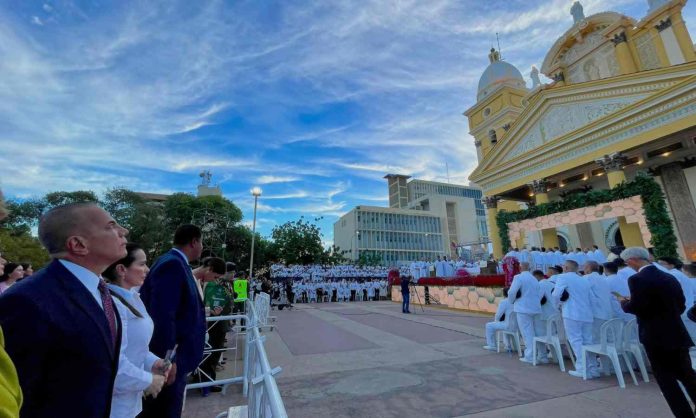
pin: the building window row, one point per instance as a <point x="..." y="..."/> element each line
<point x="380" y="240"/>
<point x="398" y="222"/>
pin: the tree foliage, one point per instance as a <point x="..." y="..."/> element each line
<point x="22" y="248"/>
<point x="298" y="242"/>
<point x="369" y="258"/>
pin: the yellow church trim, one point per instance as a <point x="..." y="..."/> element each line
<point x="527" y="120"/>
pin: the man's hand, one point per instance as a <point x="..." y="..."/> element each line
<point x="156" y="386"/>
<point x="217" y="311"/>
<point x="171" y="377"/>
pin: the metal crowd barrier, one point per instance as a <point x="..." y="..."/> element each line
<point x="262" y="390"/>
<point x="257" y="376"/>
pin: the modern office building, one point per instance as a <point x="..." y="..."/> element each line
<point x="424" y="219"/>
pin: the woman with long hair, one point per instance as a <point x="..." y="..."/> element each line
<point x="139" y="371"/>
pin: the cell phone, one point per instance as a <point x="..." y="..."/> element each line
<point x="170" y="356"/>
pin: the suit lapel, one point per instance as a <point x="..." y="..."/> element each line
<point x="84" y="300"/>
<point x="191" y="282"/>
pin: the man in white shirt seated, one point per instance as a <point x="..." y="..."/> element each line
<point x="574" y="294"/>
<point x="548" y="307"/>
<point x="525" y="298"/>
<point x="600" y="296"/>
<point x="619" y="285"/>
<point x="502" y="317"/>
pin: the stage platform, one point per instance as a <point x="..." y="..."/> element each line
<point x="472" y="293"/>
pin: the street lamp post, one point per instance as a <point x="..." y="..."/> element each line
<point x="256" y="192"/>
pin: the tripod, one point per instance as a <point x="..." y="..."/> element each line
<point x="412" y="289"/>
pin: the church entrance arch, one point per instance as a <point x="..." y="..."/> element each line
<point x="630" y="208"/>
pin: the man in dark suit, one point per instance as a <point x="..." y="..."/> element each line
<point x="61" y="328"/>
<point x="405" y="295"/>
<point x="174" y="301"/>
<point x="657" y="301"/>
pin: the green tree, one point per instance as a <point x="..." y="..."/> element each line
<point x="22" y="248"/>
<point x="333" y="255"/>
<point x="369" y="258"/>
<point x="63" y="198"/>
<point x="238" y="248"/>
<point x="22" y="216"/>
<point x="298" y="242"/>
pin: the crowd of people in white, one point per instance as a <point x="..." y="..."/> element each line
<point x="585" y="290"/>
<point x="319" y="272"/>
<point x="543" y="258"/>
<point x="343" y="290"/>
<point x="442" y="267"/>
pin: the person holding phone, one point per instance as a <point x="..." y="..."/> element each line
<point x="139" y="371"/>
<point x="658" y="302"/>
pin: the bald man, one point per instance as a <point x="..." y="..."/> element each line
<point x="61" y="328"/>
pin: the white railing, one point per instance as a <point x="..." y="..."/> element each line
<point x="238" y="374"/>
<point x="256" y="375"/>
<point x="260" y="386"/>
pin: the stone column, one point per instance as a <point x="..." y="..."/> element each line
<point x="549" y="237"/>
<point x="660" y="47"/>
<point x="585" y="235"/>
<point x="623" y="54"/>
<point x="683" y="210"/>
<point x="493" y="231"/>
<point x="682" y="34"/>
<point x="670" y="42"/>
<point x="613" y="166"/>
<point x="479" y="152"/>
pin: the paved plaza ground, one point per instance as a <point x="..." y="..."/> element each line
<point x="366" y="359"/>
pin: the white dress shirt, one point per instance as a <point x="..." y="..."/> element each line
<point x="504" y="308"/>
<point x="86" y="277"/>
<point x="601" y="296"/>
<point x="135" y="359"/>
<point x="546" y="289"/>
<point x="686" y="285"/>
<point x="530" y="302"/>
<point x="578" y="306"/>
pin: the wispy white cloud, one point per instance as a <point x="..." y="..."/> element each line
<point x="314" y="101"/>
<point x="269" y="179"/>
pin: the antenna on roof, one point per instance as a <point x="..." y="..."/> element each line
<point x="499" y="50"/>
<point x="447" y="167"/>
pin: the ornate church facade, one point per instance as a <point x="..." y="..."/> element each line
<point x="622" y="101"/>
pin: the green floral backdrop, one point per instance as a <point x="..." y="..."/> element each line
<point x="663" y="240"/>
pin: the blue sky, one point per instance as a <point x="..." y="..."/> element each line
<point x="314" y="101"/>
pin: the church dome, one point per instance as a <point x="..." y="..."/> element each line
<point x="499" y="73"/>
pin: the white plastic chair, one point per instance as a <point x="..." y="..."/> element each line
<point x="563" y="339"/>
<point x="633" y="346"/>
<point x="512" y="334"/>
<point x="553" y="325"/>
<point x="313" y="296"/>
<point x="611" y="330"/>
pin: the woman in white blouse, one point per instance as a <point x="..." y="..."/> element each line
<point x="139" y="371"/>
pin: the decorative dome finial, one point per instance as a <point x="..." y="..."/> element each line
<point x="494" y="56"/>
<point x="577" y="12"/>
